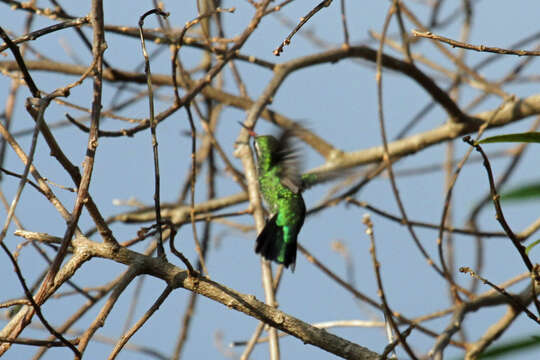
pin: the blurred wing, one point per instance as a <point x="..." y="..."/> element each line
<point x="314" y="178"/>
<point x="288" y="158"/>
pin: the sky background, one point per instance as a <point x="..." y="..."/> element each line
<point x="337" y="101"/>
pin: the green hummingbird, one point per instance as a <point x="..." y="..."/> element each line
<point x="281" y="185"/>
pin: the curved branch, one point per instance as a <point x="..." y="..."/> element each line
<point x="245" y="303"/>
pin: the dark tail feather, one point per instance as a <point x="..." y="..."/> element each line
<point x="270" y="244"/>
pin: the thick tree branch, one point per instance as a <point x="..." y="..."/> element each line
<point x="247" y="304"/>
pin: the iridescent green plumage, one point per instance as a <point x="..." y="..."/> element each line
<point x="281" y="187"/>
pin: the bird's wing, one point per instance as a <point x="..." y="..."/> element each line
<point x="313" y="178"/>
<point x="288" y="158"/>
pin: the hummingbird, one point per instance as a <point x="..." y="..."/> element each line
<point x="281" y="185"/>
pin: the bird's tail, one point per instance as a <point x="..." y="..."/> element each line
<point x="276" y="244"/>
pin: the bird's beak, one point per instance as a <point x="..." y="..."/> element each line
<point x="250" y="131"/>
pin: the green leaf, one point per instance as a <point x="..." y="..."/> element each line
<point x="518" y="345"/>
<point x="522" y="192"/>
<point x="527" y="137"/>
<point x="530" y="246"/>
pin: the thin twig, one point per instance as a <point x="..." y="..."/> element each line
<point x="388" y="314"/>
<point x="98" y="48"/>
<point x="449" y="192"/>
<point x="344" y="24"/>
<point x="153" y="124"/>
<point x="480" y="48"/>
<point x="399" y="220"/>
<point x="36" y="307"/>
<point x="390" y="347"/>
<point x="47" y="30"/>
<point x="35" y="342"/>
<point x="386" y="153"/>
<point x="21" y="64"/>
<point x="125" y="338"/>
<point x="404" y="36"/>
<point x="121" y="286"/>
<point x="512" y="299"/>
<point x="193" y="178"/>
<point x="535" y="277"/>
<point x="303" y="20"/>
<point x="312" y="259"/>
<point x="499" y="214"/>
<point x="181" y="256"/>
